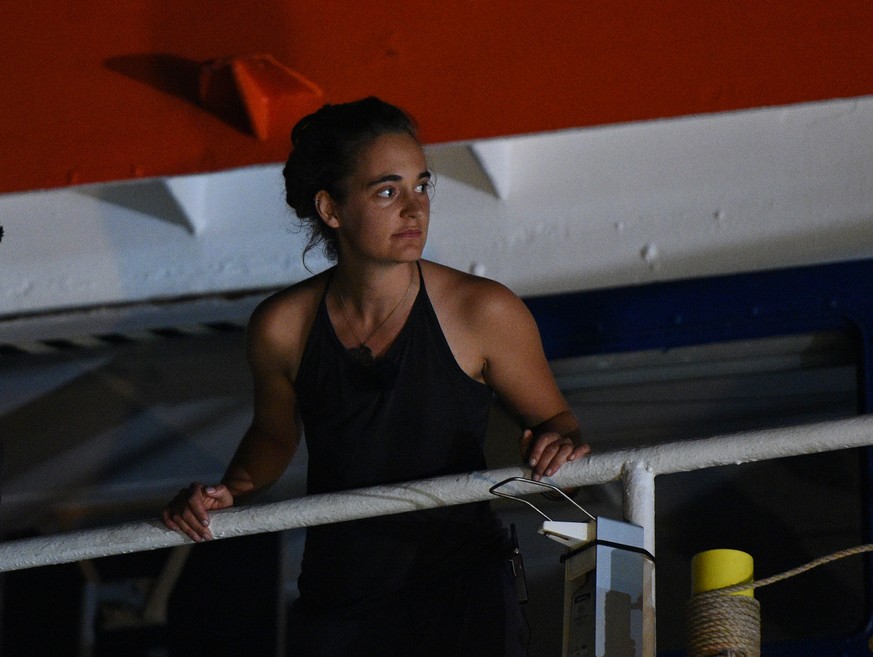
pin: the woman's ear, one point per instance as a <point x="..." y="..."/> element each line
<point x="327" y="208"/>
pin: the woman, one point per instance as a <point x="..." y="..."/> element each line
<point x="389" y="362"/>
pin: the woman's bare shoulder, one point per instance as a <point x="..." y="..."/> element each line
<point x="441" y="277"/>
<point x="282" y="320"/>
<point x="474" y="298"/>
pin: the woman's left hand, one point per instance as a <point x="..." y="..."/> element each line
<point x="549" y="452"/>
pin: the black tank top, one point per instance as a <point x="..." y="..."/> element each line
<point x="412" y="414"/>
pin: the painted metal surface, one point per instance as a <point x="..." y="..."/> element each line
<point x="697" y="311"/>
<point x="95" y="91"/>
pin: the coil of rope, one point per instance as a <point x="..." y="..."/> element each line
<point x="724" y="625"/>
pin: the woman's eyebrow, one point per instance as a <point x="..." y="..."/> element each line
<point x="393" y="177"/>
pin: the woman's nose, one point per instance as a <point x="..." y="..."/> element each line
<point x="415" y="204"/>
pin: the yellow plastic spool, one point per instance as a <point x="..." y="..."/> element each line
<point x="717" y="569"/>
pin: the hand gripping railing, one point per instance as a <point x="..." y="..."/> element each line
<point x="635" y="467"/>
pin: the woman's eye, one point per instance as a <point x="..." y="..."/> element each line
<point x="425" y="187"/>
<point x="388" y="192"/>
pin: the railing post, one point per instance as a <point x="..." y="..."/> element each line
<point x="638" y="481"/>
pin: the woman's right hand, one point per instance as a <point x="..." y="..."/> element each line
<point x="188" y="512"/>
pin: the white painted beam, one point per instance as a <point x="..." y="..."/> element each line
<point x="495" y="157"/>
<point x="543" y="213"/>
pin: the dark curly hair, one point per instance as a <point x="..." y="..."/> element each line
<point x="324" y="148"/>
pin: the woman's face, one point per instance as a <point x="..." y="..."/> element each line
<point x="387" y="208"/>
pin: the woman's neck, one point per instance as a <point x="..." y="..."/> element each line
<point x="373" y="290"/>
<point x="371" y="309"/>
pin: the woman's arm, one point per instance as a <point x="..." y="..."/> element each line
<point x="517" y="369"/>
<point x="271" y="440"/>
<point x="269" y="443"/>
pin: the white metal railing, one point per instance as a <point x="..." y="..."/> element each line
<point x="637" y="469"/>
